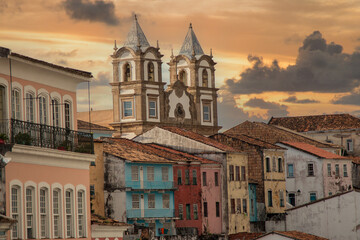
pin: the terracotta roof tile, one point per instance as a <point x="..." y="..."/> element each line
<point x="272" y="134"/>
<point x="244" y="236"/>
<point x="299" y="235"/>
<point x="354" y="159"/>
<point x="200" y="138"/>
<point x="99" y="220"/>
<point x="317" y="122"/>
<point x="86" y="125"/>
<point x="314" y="150"/>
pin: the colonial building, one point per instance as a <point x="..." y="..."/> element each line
<point x="139" y="99"/>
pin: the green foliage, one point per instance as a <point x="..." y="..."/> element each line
<point x="23" y="138"/>
<point x="4" y="136"/>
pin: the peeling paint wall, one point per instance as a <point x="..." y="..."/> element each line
<point x="335" y="184"/>
<point x="97" y="181"/>
<point x="336" y="218"/>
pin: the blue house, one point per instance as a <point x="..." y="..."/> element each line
<point x="139" y="186"/>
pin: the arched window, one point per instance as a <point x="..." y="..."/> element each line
<point x="30" y="106"/>
<point x="57" y="210"/>
<point x="69" y="211"/>
<point x="183" y="77"/>
<point x="81" y="214"/>
<point x="68" y="116"/>
<point x="16" y="211"/>
<point x="44" y="213"/>
<point x="205" y="80"/>
<point x="56" y="109"/>
<point x="151" y="77"/>
<point x="43" y="110"/>
<point x="2" y="102"/>
<point x="15" y="105"/>
<point x="127" y="72"/>
<point x="30" y="213"/>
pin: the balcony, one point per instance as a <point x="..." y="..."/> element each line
<point x="158" y="185"/>
<point x="150" y="213"/>
<point x="40" y="135"/>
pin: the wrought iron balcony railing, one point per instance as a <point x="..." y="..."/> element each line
<point x="46" y="136"/>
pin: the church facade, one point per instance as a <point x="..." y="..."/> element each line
<point x="140" y="100"/>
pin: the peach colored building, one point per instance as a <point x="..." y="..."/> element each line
<point x="47" y="178"/>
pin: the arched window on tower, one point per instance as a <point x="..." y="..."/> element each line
<point x="205" y="78"/>
<point x="127" y="72"/>
<point x="151" y="77"/>
<point x="183" y="77"/>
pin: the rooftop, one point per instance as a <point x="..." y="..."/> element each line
<point x="136" y="37"/>
<point x="244" y="236"/>
<point x="99" y="220"/>
<point x="318" y="152"/>
<point x="295" y="235"/>
<point x="317" y="122"/>
<point x="191" y="45"/>
<point x="86" y="125"/>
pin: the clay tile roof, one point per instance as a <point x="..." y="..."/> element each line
<point x="299" y="235"/>
<point x="321" y="153"/>
<point x="317" y="122"/>
<point x="200" y="138"/>
<point x="86" y="125"/>
<point x="47" y="64"/>
<point x="244" y="236"/>
<point x="272" y="134"/>
<point x="354" y="159"/>
<point x="99" y="220"/>
<point x="132" y="151"/>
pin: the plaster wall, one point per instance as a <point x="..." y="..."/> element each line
<point x="97" y="180"/>
<point x="335" y="184"/>
<point x="335" y="218"/>
<point x="184" y="100"/>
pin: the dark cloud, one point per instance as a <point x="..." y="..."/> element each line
<point x="351" y="99"/>
<point x="320" y="67"/>
<point x="273" y="108"/>
<point x="97" y="11"/>
<point x="293" y="99"/>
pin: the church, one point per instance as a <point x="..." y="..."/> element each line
<point x="140" y="100"/>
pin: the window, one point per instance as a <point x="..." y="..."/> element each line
<point x="44" y="216"/>
<point x="15" y="104"/>
<point x="310" y="169"/>
<point x="195" y="210"/>
<point x="345" y="170"/>
<point x="166" y="200"/>
<point x="183" y="77"/>
<point x="270" y="203"/>
<point x="205" y="78"/>
<point x="187" y="177"/>
<point x="2" y="102"/>
<point x="243" y="174"/>
<point x="204" y="179"/>
<point x="30" y="213"/>
<point x="152" y="108"/>
<point x="292" y="199"/>
<point x="267" y="159"/>
<point x="281" y="196"/>
<point x="329" y="169"/>
<point x="238" y="205"/>
<point x="237" y="173"/>
<point x="337" y="170"/>
<point x="127" y="108"/>
<point x="216" y="179"/>
<point x="194" y="177"/>
<point x="273" y="164"/>
<point x="290" y="170"/>
<point x="181" y="212"/>
<point x="56" y="109"/>
<point x="217" y="206"/>
<point x="135" y="201"/>
<point x="280" y="165"/>
<point x="30" y="107"/>
<point x="312" y="197"/>
<point x="151" y="77"/>
<point x="349" y="145"/>
<point x="127" y="72"/>
<point x="244" y="206"/>
<point x="188" y="216"/>
<point x="67" y="107"/>
<point x="151" y="200"/>
<point x="57" y="210"/>
<point x="231" y="173"/>
<point x="42" y="110"/>
<point x="165" y="173"/>
<point x="81" y="214"/>
<point x="69" y="210"/>
<point x="134" y="173"/>
<point x="232" y="205"/>
<point x="252" y="210"/>
<point x="205" y="209"/>
<point x="16" y="211"/>
<point x="330" y="193"/>
<point x="150" y="173"/>
<point x="206" y="112"/>
<point x="179" y="176"/>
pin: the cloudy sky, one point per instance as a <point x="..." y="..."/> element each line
<point x="275" y="58"/>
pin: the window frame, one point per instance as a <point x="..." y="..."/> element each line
<point x="345" y="171"/>
<point x="281" y="198"/>
<point x="152" y="100"/>
<point x="43" y="109"/>
<point x="231" y="173"/>
<point x="150" y="174"/>
<point x="135" y="201"/>
<point x="244" y="204"/>
<point x="337" y="170"/>
<point x="349" y="145"/>
<point x="237" y="173"/>
<point x="195" y="211"/>
<point x="187" y="177"/>
<point x="181" y="211"/>
<point x="30" y="106"/>
<point x="194" y="177"/>
<point x="135" y="173"/>
<point x="30" y="214"/>
<point x="206" y="103"/>
<point x="179" y="177"/>
<point x="292" y="171"/>
<point x="188" y="211"/>
<point x="270" y="198"/>
<point x="127" y="75"/>
<point x="280" y="164"/>
<point x="312" y="194"/>
<point x="204" y="81"/>
<point x="126" y="100"/>
<point x="44" y="213"/>
<point x="205" y="207"/>
<point x="16" y="103"/>
<point x="81" y="216"/>
<point x="216" y="179"/>
<point x="232" y="206"/>
<point x="149" y="65"/>
<point x="243" y="173"/>
<point x="19" y="210"/>
<point x="151" y="201"/>
<point x="69" y="214"/>
<point x="68" y="114"/>
<point x="204" y="179"/>
<point x="310" y="172"/>
<point x="268" y="164"/>
<point x="165" y="174"/>
<point x="58" y="214"/>
<point x="166" y="200"/>
<point x="217" y="209"/>
<point x="329" y="169"/>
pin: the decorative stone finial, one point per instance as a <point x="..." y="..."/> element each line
<point x="135" y="17"/>
<point x="211" y="52"/>
<point x="172" y="53"/>
<point x="190" y="25"/>
<point x="157" y="44"/>
<point x="115" y="47"/>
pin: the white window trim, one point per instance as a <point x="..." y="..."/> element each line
<point x="35" y="204"/>
<point x="17" y="87"/>
<point x="19" y="185"/>
<point x="85" y="208"/>
<point x="55" y="186"/>
<point x="68" y="99"/>
<point x="5" y="84"/>
<point x="47" y="187"/>
<point x="74" y="217"/>
<point x="57" y="96"/>
<point x="32" y="90"/>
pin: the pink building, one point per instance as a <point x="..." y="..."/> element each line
<point x="46" y="186"/>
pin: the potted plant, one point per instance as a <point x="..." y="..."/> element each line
<point x="23" y="138"/>
<point x="3" y="138"/>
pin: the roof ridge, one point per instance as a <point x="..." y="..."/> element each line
<point x="191" y="45"/>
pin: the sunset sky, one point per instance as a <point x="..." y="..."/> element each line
<point x="274" y="58"/>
